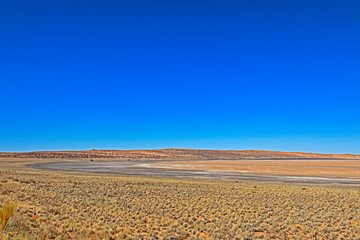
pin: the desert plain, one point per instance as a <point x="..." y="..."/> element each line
<point x="179" y="194"/>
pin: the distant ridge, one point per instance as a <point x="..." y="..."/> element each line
<point x="186" y="154"/>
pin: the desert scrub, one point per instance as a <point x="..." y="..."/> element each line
<point x="84" y="206"/>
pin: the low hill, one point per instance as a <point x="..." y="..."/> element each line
<point x="174" y="154"/>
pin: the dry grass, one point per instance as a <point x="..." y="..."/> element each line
<point x="5" y="214"/>
<point x="54" y="205"/>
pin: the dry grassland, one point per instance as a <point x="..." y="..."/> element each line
<point x="57" y="205"/>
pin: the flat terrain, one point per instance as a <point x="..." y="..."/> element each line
<point x="207" y="199"/>
<point x="217" y="164"/>
<point x="304" y="171"/>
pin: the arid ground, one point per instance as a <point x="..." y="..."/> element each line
<point x="208" y="200"/>
<point x="302" y="171"/>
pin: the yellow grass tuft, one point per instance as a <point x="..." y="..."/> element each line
<point x="5" y="215"/>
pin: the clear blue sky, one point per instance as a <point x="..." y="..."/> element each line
<point x="275" y="75"/>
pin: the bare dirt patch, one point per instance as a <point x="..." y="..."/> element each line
<point x="308" y="168"/>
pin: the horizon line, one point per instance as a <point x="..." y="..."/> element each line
<point x="193" y="149"/>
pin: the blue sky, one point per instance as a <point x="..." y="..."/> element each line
<point x="274" y="75"/>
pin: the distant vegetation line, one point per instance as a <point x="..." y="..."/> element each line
<point x="190" y="154"/>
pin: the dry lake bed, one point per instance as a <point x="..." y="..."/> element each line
<point x="303" y="171"/>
